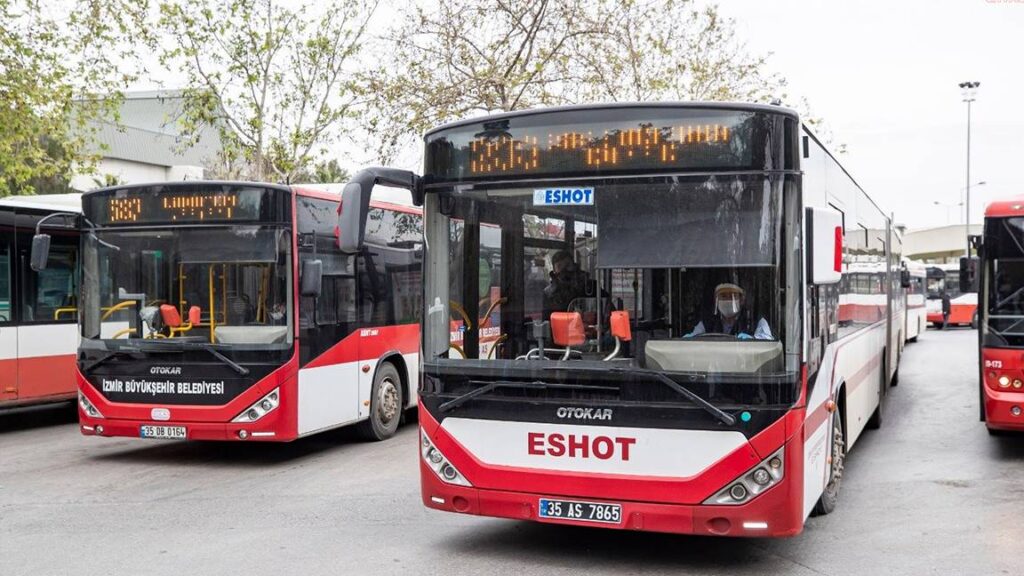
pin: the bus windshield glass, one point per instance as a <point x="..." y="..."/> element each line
<point x="222" y="285"/>
<point x="678" y="275"/>
<point x="1004" y="269"/>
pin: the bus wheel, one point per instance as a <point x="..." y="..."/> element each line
<point x="974" y="320"/>
<point x="385" y="405"/>
<point x="830" y="496"/>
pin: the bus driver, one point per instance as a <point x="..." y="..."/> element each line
<point x="731" y="317"/>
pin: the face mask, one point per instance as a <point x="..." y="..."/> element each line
<point x="728" y="307"/>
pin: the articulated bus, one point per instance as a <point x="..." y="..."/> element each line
<point x="226" y="311"/>
<point x="1000" y="270"/>
<point x="963" y="309"/>
<point x="38" y="335"/>
<point x="917" y="295"/>
<point x="665" y="282"/>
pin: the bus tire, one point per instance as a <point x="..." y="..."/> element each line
<point x="974" y="320"/>
<point x="385" y="405"/>
<point x="830" y="496"/>
<point x="895" y="377"/>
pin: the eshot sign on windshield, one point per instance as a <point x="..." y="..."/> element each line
<point x="563" y="197"/>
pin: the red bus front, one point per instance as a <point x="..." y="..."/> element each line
<point x="1001" y="311"/>
<point x="621" y="351"/>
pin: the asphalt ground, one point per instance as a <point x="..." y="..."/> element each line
<point x="929" y="493"/>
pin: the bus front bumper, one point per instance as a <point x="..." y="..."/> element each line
<point x="771" y="514"/>
<point x="1004" y="410"/>
<point x="259" y="431"/>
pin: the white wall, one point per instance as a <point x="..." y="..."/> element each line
<point x="128" y="172"/>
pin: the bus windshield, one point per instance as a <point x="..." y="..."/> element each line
<point x="1004" y="269"/>
<point x="221" y="285"/>
<point x="694" y="265"/>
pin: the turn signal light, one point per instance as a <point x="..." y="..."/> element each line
<point x="87" y="406"/>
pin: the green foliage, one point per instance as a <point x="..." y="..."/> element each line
<point x="62" y="66"/>
<point x="273" y="77"/>
<point x="324" y="172"/>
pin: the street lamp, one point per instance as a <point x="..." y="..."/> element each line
<point x="948" y="206"/>
<point x="964" y="188"/>
<point x="969" y="90"/>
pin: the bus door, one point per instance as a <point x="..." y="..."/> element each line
<point x="8" y="328"/>
<point x="47" y="335"/>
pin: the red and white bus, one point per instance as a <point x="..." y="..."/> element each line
<point x="617" y="396"/>
<point x="963" y="309"/>
<point x="917" y="296"/>
<point x="226" y="311"/>
<point x="1000" y="269"/>
<point x="38" y="334"/>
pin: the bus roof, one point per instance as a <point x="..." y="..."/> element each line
<point x="1004" y="208"/>
<point x="54" y="202"/>
<point x="742" y="106"/>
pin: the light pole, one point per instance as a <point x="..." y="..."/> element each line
<point x="947" y="206"/>
<point x="969" y="90"/>
<point x="965" y="188"/>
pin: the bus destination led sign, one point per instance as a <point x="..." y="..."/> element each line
<point x="145" y="206"/>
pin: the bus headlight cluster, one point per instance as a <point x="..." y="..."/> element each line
<point x="260" y="408"/>
<point x="439" y="464"/>
<point x="758" y="479"/>
<point x="1005" y="382"/>
<point x="87" y="406"/>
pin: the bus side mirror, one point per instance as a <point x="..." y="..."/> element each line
<point x="40" y="252"/>
<point x="312" y="278"/>
<point x="975" y="241"/>
<point x="824" y="246"/>
<point x="904" y="278"/>
<point x="968" y="274"/>
<point x="351" y="220"/>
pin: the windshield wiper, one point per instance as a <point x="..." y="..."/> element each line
<point x="535" y="385"/>
<point x="708" y="407"/>
<point x="169" y="345"/>
<point x="102" y="359"/>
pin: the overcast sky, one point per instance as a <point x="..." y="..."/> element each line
<point x="884" y="75"/>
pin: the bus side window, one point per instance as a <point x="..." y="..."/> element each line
<point x="52" y="293"/>
<point x="5" y="280"/>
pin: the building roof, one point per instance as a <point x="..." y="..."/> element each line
<point x="150" y="131"/>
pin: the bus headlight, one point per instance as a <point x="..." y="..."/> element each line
<point x="260" y="408"/>
<point x="439" y="464"/>
<point x="87" y="406"/>
<point x="761" y="477"/>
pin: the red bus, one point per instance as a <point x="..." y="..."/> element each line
<point x="666" y="291"/>
<point x="226" y="311"/>
<point x="1000" y="269"/>
<point x="963" y="304"/>
<point x="38" y="335"/>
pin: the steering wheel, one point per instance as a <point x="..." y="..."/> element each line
<point x="714" y="336"/>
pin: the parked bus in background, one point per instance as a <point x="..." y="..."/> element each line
<point x="225" y="311"/>
<point x="662" y="276"/>
<point x="38" y="310"/>
<point x="866" y="289"/>
<point x="963" y="305"/>
<point x="917" y="295"/>
<point x="1000" y="269"/>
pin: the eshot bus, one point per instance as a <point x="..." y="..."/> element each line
<point x="225" y="311"/>
<point x="670" y="354"/>
<point x="917" y="296"/>
<point x="1001" y="311"/>
<point x="963" y="310"/>
<point x="38" y="310"/>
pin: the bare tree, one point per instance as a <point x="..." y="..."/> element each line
<point x="460" y="58"/>
<point x="273" y="77"/>
<point x="464" y="57"/>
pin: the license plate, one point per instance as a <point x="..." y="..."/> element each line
<point x="581" y="511"/>
<point x="164" y="432"/>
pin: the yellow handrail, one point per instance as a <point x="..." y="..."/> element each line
<point x="213" y="317"/>
<point x="59" y="311"/>
<point x="120" y="306"/>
